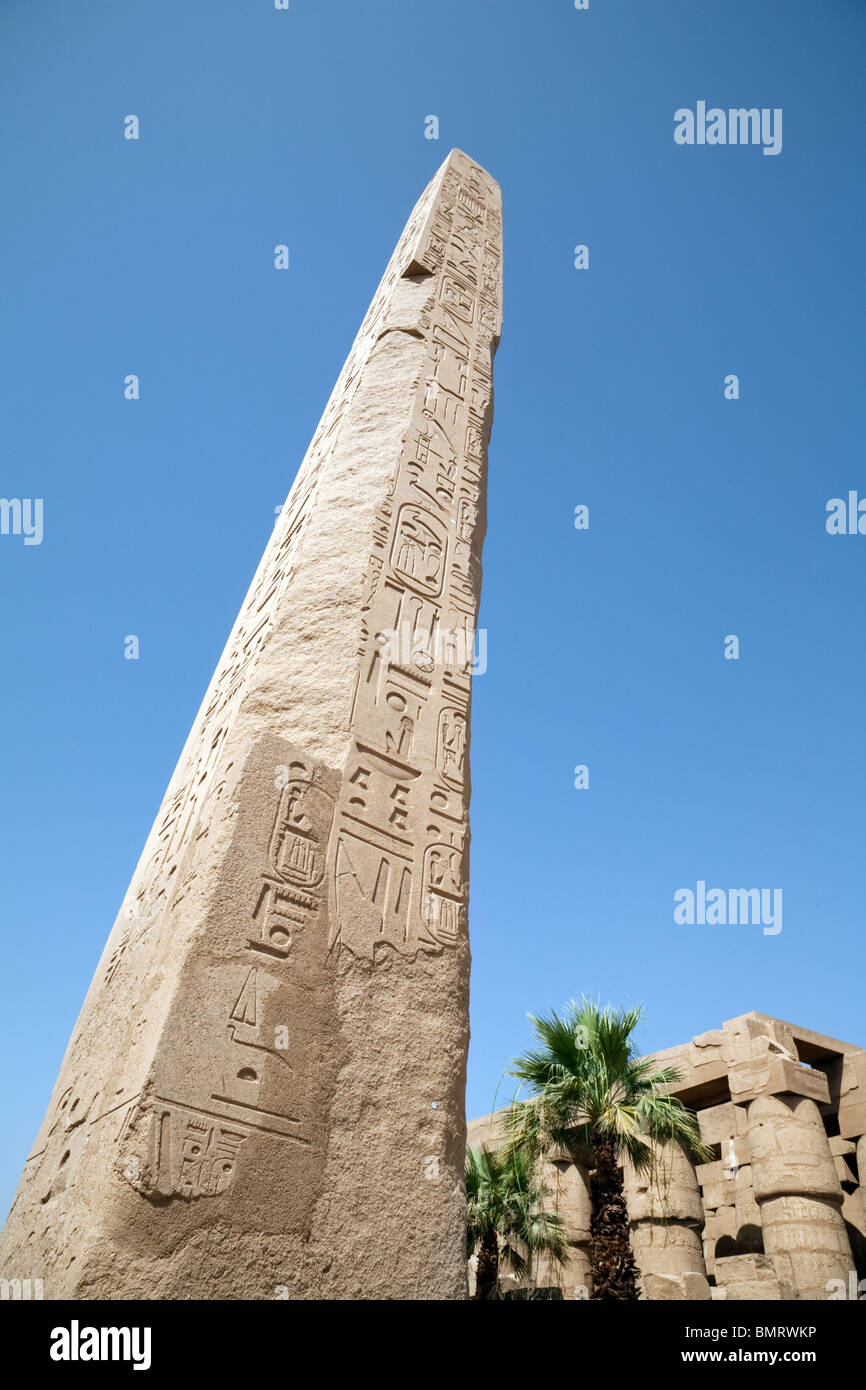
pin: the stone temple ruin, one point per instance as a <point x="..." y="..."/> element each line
<point x="780" y="1212"/>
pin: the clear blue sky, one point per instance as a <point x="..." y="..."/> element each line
<point x="707" y="516"/>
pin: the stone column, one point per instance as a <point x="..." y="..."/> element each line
<point x="798" y="1193"/>
<point x="666" y="1217"/>
<point x="566" y="1191"/>
<point x="264" y="1093"/>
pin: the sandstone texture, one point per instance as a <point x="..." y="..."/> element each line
<point x="263" y="1096"/>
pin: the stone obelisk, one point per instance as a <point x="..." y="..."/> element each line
<point x="263" y="1095"/>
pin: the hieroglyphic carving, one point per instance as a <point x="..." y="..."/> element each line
<point x="185" y="1141"/>
<point x="290" y="890"/>
<point x="445" y="893"/>
<point x="419" y="550"/>
<point x="289" y="900"/>
<point x="451" y="746"/>
<point x="157" y="879"/>
<point x="174" y="1150"/>
<point x="401" y="832"/>
<point x="55" y="1155"/>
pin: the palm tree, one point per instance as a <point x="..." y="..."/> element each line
<point x="506" y="1223"/>
<point x="592" y="1095"/>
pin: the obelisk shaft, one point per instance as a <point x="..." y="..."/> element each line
<point x="263" y="1095"/>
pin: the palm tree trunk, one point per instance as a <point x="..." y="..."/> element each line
<point x="487" y="1273"/>
<point x="614" y="1273"/>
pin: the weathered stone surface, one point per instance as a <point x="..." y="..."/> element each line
<point x="721" y="1222"/>
<point x="669" y="1193"/>
<point x="706" y="1052"/>
<point x="719" y="1123"/>
<point x="756" y="1035"/>
<point x="854" y="1211"/>
<point x="723" y="1187"/>
<point x="696" y="1287"/>
<point x="854" y="1217"/>
<point x="798" y="1193"/>
<point x="264" y="1090"/>
<point x="807" y="1239"/>
<point x="487" y="1131"/>
<point x="852" y="1094"/>
<point x="759" y="1291"/>
<point x="566" y="1192"/>
<point x="789" y="1149"/>
<point x="670" y="1248"/>
<point x="772" y="1074"/>
<point x="752" y="1278"/>
<point x="739" y="1269"/>
<point x="676" y="1288"/>
<point x="665" y="1217"/>
<point x="842" y="1147"/>
<point x="720" y="1233"/>
<point x="748" y="1215"/>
